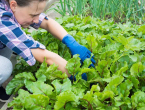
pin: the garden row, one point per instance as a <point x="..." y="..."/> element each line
<point x="119" y="10"/>
<point x="116" y="82"/>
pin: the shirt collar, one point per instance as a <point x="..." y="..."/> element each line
<point x="6" y="5"/>
<point x="7" y="8"/>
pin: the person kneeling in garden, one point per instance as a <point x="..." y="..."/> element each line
<point x="15" y="14"/>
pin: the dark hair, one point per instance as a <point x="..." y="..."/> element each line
<point x="23" y="3"/>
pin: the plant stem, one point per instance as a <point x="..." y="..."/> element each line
<point x="88" y="103"/>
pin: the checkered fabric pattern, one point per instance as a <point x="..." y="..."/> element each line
<point x="12" y="36"/>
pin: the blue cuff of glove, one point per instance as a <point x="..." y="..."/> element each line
<point x="71" y="78"/>
<point x="68" y="39"/>
<point x="84" y="77"/>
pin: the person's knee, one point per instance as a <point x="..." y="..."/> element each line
<point x="6" y="68"/>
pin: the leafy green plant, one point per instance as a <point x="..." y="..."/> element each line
<point x="116" y="82"/>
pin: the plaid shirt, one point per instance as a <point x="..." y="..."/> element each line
<point x="12" y="36"/>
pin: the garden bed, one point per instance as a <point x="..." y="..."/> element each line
<point x="116" y="82"/>
<point x="53" y="15"/>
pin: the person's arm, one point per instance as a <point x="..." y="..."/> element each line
<point x="60" y="33"/>
<point x="25" y="46"/>
<point x="54" y="28"/>
<point x="51" y="58"/>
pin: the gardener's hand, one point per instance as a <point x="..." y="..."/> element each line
<point x="76" y="48"/>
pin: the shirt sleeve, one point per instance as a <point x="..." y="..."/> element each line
<point x="41" y="17"/>
<point x="16" y="39"/>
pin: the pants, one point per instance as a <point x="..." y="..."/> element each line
<point x="6" y="66"/>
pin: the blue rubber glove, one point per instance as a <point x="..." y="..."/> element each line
<point x="71" y="78"/>
<point x="76" y="48"/>
<point x="84" y="77"/>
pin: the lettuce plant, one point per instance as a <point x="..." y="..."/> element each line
<point x="116" y="82"/>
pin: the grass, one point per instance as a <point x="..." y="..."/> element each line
<point x="118" y="10"/>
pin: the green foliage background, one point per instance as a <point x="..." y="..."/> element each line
<point x="119" y="10"/>
<point x="116" y="82"/>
